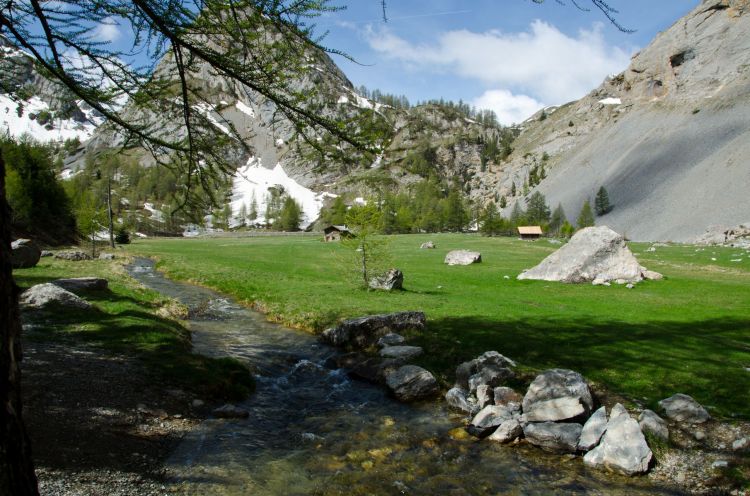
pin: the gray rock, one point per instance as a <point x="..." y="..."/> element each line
<point x="24" y="254"/>
<point x="410" y="383"/>
<point x="488" y="419"/>
<point x="558" y="383"/>
<point x="393" y="279"/>
<point x="653" y="424"/>
<point x="456" y="398"/>
<point x="106" y="256"/>
<point x="484" y="396"/>
<point x="551" y="436"/>
<point x="391" y="339"/>
<point x="623" y="448"/>
<point x="429" y="245"/>
<point x="593" y="430"/>
<point x="463" y="257"/>
<point x="46" y="253"/>
<point x="719" y="464"/>
<point x="651" y="275"/>
<point x="230" y="411"/>
<point x="740" y="444"/>
<point x="401" y="352"/>
<point x="683" y="408"/>
<point x="593" y="253"/>
<point x="507" y="432"/>
<point x="617" y="411"/>
<point x="555" y="410"/>
<point x="487" y="359"/>
<point x="49" y="295"/>
<point x="196" y="403"/>
<point x="489" y="375"/>
<point x="72" y="256"/>
<point x="366" y="331"/>
<point x="504" y="395"/>
<point x="82" y="284"/>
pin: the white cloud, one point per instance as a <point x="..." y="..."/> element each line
<point x="510" y="108"/>
<point x="542" y="62"/>
<point x="108" y="31"/>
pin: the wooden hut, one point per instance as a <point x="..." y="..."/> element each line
<point x="530" y="232"/>
<point x="335" y="233"/>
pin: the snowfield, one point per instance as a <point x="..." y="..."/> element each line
<point x="19" y="125"/>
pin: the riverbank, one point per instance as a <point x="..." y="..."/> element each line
<point x="108" y="393"/>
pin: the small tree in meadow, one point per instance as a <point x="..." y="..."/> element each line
<point x="368" y="247"/>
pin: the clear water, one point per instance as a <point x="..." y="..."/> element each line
<point x="312" y="430"/>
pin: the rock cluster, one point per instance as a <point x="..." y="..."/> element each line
<point x="558" y="414"/>
<point x="389" y="367"/>
<point x="594" y="254"/>
<point x="72" y="256"/>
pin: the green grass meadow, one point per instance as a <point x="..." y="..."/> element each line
<point x="688" y="333"/>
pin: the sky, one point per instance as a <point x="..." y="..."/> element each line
<point x="511" y="56"/>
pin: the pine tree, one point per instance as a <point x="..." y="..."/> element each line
<point x="517" y="215"/>
<point x="558" y="220"/>
<point x="601" y="202"/>
<point x="503" y="202"/>
<point x="586" y="216"/>
<point x="538" y="212"/>
<point x="289" y="217"/>
<point x="513" y="189"/>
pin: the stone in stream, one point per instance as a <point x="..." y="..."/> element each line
<point x="366" y="331"/>
<point x="401" y="352"/>
<point x="490" y="376"/>
<point x="488" y="360"/>
<point x="391" y="339"/>
<point x="504" y="395"/>
<point x="653" y="424"/>
<point x="411" y="383"/>
<point x="82" y="284"/>
<point x="456" y="398"/>
<point x="552" y="436"/>
<point x="623" y="447"/>
<point x="24" y="253"/>
<point x="508" y="431"/>
<point x="487" y="420"/>
<point x="484" y="396"/>
<point x="566" y="386"/>
<point x="47" y="295"/>
<point x="230" y="411"/>
<point x="593" y="430"/>
<point x="463" y="257"/>
<point x="683" y="408"/>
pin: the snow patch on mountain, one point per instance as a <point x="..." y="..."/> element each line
<point x="253" y="181"/>
<point x="245" y="109"/>
<point x="16" y="121"/>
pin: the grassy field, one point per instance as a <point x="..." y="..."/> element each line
<point x="135" y="321"/>
<point x="689" y="333"/>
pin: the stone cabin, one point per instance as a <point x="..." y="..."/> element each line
<point x="335" y="233"/>
<point x="530" y="232"/>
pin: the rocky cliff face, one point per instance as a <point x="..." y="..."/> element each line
<point x="669" y="137"/>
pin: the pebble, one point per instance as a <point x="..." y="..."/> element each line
<point x="740" y="444"/>
<point x="720" y="464"/>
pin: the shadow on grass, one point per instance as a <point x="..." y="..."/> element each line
<point x="647" y="362"/>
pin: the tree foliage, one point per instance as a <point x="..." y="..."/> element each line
<point x="585" y="216"/>
<point x="602" y="205"/>
<point x="290" y="216"/>
<point x="537" y="212"/>
<point x="368" y="248"/>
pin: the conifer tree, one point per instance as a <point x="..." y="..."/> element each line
<point x="601" y="202"/>
<point x="558" y="220"/>
<point x="517" y="215"/>
<point x="538" y="211"/>
<point x="586" y="216"/>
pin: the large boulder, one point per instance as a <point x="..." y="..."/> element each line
<point x="392" y="279"/>
<point x="556" y="395"/>
<point x="366" y="331"/>
<point x="463" y="257"/>
<point x="551" y="436"/>
<point x="24" y="253"/>
<point x="411" y="383"/>
<point x="623" y="448"/>
<point x="82" y="284"/>
<point x="593" y="253"/>
<point x="653" y="424"/>
<point x="49" y="295"/>
<point x="487" y="365"/>
<point x="683" y="408"/>
<point x="72" y="256"/>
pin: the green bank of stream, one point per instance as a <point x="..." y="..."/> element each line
<point x="313" y="430"/>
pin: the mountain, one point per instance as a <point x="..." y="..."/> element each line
<point x="669" y="137"/>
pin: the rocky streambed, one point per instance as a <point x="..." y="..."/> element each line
<point x="312" y="429"/>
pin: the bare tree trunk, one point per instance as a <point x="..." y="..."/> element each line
<point x="16" y="468"/>
<point x="109" y="213"/>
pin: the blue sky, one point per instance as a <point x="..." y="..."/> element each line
<point x="513" y="56"/>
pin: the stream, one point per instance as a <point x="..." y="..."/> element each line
<point x="313" y="430"/>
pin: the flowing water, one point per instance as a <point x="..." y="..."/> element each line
<point x="312" y="430"/>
